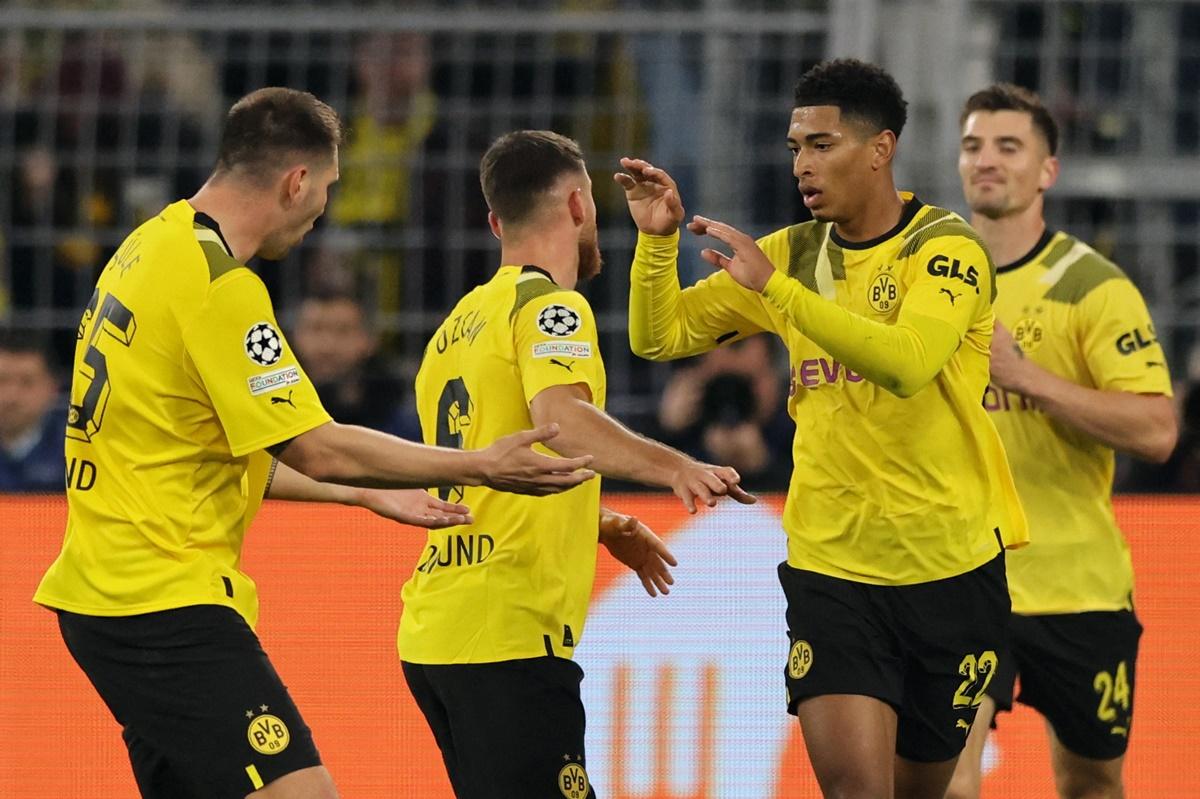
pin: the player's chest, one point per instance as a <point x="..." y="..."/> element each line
<point x="1044" y="329"/>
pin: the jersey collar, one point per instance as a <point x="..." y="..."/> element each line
<point x="531" y="268"/>
<point x="211" y="224"/>
<point x="906" y="216"/>
<point x="1042" y="243"/>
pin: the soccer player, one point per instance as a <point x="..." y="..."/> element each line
<point x="900" y="503"/>
<point x="1076" y="372"/>
<point x="181" y="380"/>
<point x="494" y="610"/>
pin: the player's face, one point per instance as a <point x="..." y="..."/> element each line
<point x="831" y="159"/>
<point x="1004" y="163"/>
<point x="590" y="259"/>
<point x="306" y="208"/>
<point x="27" y="391"/>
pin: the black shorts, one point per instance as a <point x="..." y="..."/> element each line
<point x="1077" y="670"/>
<point x="507" y="730"/>
<point x="204" y="713"/>
<point x="928" y="649"/>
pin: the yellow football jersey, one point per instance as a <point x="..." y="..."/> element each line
<point x="181" y="375"/>
<point x="884" y="490"/>
<point x="1076" y="315"/>
<point x="515" y="584"/>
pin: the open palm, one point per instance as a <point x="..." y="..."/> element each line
<point x="652" y="196"/>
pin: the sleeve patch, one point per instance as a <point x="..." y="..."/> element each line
<point x="270" y="381"/>
<point x="559" y="320"/>
<point x="565" y="349"/>
<point x="263" y="344"/>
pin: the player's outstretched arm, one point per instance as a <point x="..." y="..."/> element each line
<point x="665" y="321"/>
<point x="356" y="456"/>
<point x="625" y="455"/>
<point x="902" y="358"/>
<point x="407" y="506"/>
<point x="634" y="544"/>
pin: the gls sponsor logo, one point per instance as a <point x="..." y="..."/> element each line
<point x="942" y="266"/>
<point x="1132" y="341"/>
<point x="814" y="372"/>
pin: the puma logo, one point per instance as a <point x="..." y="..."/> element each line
<point x="1156" y="363"/>
<point x="283" y="400"/>
<point x="962" y="724"/>
<point x="950" y="294"/>
<point x="567" y="366"/>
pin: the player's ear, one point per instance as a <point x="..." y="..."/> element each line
<point x="494" y="224"/>
<point x="294" y="181"/>
<point x="577" y="206"/>
<point x="1049" y="173"/>
<point x="883" y="148"/>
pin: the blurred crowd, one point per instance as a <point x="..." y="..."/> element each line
<point x="98" y="131"/>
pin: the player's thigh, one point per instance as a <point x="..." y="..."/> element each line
<point x="518" y="728"/>
<point x="840" y="641"/>
<point x="1078" y="777"/>
<point x="850" y="741"/>
<point x="422" y="684"/>
<point x="967" y="780"/>
<point x="954" y="632"/>
<point x="204" y="712"/>
<point x="1079" y="671"/>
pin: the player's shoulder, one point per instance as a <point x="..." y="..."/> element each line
<point x="1075" y="271"/>
<point x="193" y="242"/>
<point x="934" y="228"/>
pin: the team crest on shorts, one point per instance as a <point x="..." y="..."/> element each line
<point x="268" y="734"/>
<point x="559" y="320"/>
<point x="263" y="345"/>
<point x="573" y="781"/>
<point x="800" y="660"/>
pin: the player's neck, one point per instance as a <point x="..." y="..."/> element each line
<point x="880" y="214"/>
<point x="238" y="214"/>
<point x="557" y="255"/>
<point x="1009" y="238"/>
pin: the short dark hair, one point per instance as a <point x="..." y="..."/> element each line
<point x="24" y="341"/>
<point x="521" y="165"/>
<point x="860" y="90"/>
<point x="267" y="125"/>
<point x="1010" y="97"/>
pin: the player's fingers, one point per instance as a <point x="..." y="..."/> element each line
<point x="448" y="507"/>
<point x="662" y="581"/>
<point x="688" y="498"/>
<point x="715" y="483"/>
<point x="627" y="182"/>
<point x="697" y="227"/>
<point x="741" y="495"/>
<point x="546" y="463"/>
<point x="647" y="583"/>
<point x="659" y="549"/>
<point x="717" y="259"/>
<point x="703" y="493"/>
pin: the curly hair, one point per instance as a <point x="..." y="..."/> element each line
<point x="863" y="91"/>
<point x="1010" y="97"/>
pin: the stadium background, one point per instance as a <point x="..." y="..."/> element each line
<point x="109" y="110"/>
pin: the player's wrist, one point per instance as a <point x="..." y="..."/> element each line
<point x="659" y="240"/>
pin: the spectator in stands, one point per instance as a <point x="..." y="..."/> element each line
<point x="729" y="408"/>
<point x="32" y="421"/>
<point x="336" y="345"/>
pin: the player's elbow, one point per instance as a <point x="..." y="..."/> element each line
<point x="1161" y="442"/>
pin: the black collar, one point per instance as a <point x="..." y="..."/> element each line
<point x="910" y="211"/>
<point x="539" y="270"/>
<point x="211" y="224"/>
<point x="1047" y="234"/>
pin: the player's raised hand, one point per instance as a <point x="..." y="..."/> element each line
<point x="635" y="545"/>
<point x="748" y="265"/>
<point x="652" y="196"/>
<point x="705" y="483"/>
<point x="414" y="506"/>
<point x="511" y="465"/>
